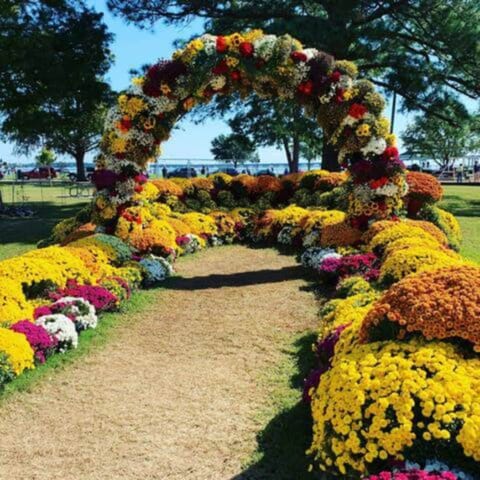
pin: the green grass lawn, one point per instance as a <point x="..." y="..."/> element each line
<point x="50" y="204"/>
<point x="464" y="203"/>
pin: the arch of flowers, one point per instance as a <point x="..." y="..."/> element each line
<point x="347" y="108"/>
<point x="394" y="392"/>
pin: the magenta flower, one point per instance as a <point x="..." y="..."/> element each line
<point x="39" y="339"/>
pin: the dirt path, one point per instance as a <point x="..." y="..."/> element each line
<point x="173" y="396"/>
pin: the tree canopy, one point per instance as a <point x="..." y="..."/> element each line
<point x="54" y="55"/>
<point x="235" y="148"/>
<point x="442" y="141"/>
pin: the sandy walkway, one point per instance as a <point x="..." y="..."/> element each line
<point x="173" y="396"/>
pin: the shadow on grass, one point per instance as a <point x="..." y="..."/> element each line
<point x="283" y="442"/>
<point x="461" y="206"/>
<point x="240" y="279"/>
<point x="29" y="231"/>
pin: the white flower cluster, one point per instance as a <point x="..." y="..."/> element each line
<point x="210" y="43"/>
<point x="193" y="244"/>
<point x="375" y="146"/>
<point x="310" y="239"/>
<point x="156" y="269"/>
<point x="60" y="327"/>
<point x="264" y="46"/>
<point x="285" y="235"/>
<point x="313" y="257"/>
<point x="83" y="311"/>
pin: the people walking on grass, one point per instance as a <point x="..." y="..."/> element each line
<point x="476" y="171"/>
<point x="459" y="173"/>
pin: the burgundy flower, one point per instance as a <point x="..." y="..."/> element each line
<point x="104" y="179"/>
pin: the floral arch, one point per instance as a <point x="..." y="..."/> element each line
<point x="347" y="108"/>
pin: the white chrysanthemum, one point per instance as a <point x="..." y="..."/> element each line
<point x="388" y="190"/>
<point x="60" y="327"/>
<point x="375" y="146"/>
<point x="83" y="311"/>
<point x="210" y="43"/>
<point x="312" y="238"/>
<point x="313" y="257"/>
<point x="285" y="236"/>
<point x="310" y="53"/>
<point x="264" y="46"/>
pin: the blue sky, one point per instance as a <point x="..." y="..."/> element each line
<point x="133" y="48"/>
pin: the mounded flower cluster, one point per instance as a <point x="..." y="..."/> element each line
<point x="422" y="189"/>
<point x="443" y="304"/>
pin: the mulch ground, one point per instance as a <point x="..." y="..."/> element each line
<point x="174" y="395"/>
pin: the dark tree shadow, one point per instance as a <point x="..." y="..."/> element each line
<point x="254" y="277"/>
<point x="461" y="206"/>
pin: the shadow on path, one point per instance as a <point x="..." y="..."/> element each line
<point x="240" y="279"/>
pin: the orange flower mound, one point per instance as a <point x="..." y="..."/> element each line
<point x="243" y="185"/>
<point x="423" y="187"/>
<point x="83" y="231"/>
<point x="428" y="227"/>
<point x="291" y="180"/>
<point x="439" y="304"/>
<point x="180" y="227"/>
<point x="340" y="234"/>
<point x="167" y="187"/>
<point x="331" y="181"/>
<point x="203" y="184"/>
<point x="267" y="183"/>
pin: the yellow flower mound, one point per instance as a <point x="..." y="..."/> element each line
<point x="54" y="264"/>
<point x="95" y="259"/>
<point x="377" y="400"/>
<point x="17" y="349"/>
<point x="317" y="219"/>
<point x="200" y="224"/>
<point x="13" y="304"/>
<point x="149" y="194"/>
<point x="290" y="216"/>
<point x="399" y="230"/>
<point x="402" y="263"/>
<point x="450" y="225"/>
<point x="343" y="311"/>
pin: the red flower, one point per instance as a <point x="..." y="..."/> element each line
<point x="335" y="76"/>
<point x="221" y="44"/>
<point x="246" y="49"/>
<point x="125" y="124"/>
<point x="339" y="95"/>
<point x="357" y="110"/>
<point x="390" y="154"/>
<point x="306" y="88"/>
<point x="138" y="188"/>
<point x="221" y="68"/>
<point x="378" y="183"/>
<point x="298" y="56"/>
<point x="235" y="75"/>
<point x="141" y="178"/>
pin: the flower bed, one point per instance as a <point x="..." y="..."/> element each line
<point x="395" y="392"/>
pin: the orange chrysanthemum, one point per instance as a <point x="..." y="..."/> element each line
<point x="440" y="304"/>
<point x="167" y="187"/>
<point x="340" y="234"/>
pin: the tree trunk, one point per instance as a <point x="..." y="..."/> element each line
<point x="329" y="158"/>
<point x="80" y="161"/>
<point x="295" y="155"/>
<point x="288" y="153"/>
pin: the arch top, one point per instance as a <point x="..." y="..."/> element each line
<point x="347" y="108"/>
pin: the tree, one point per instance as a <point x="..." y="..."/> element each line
<point x="54" y="56"/>
<point x="420" y="49"/>
<point x="235" y="148"/>
<point x="440" y="140"/>
<point x="276" y="123"/>
<point x="45" y="158"/>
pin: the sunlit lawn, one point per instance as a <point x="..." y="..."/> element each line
<point x="53" y="203"/>
<point x="464" y="203"/>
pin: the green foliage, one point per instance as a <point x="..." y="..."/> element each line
<point x="444" y="141"/>
<point x="54" y="56"/>
<point x="235" y="148"/>
<point x="45" y="158"/>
